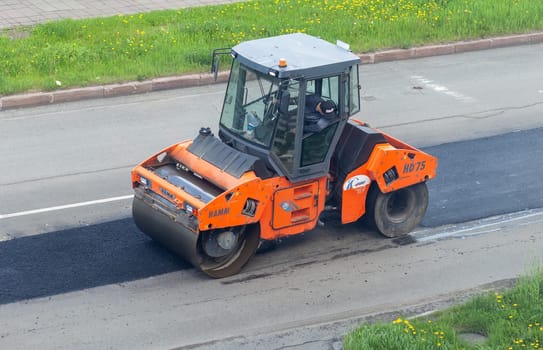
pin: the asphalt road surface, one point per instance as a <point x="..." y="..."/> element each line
<point x="76" y="273"/>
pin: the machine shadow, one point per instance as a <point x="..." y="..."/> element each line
<point x="80" y="258"/>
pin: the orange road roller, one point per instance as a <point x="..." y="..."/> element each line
<point x="286" y="150"/>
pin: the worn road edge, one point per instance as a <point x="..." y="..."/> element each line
<point x="190" y="80"/>
<point x="348" y="323"/>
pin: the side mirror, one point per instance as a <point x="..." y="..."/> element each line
<point x="215" y="67"/>
<point x="215" y="59"/>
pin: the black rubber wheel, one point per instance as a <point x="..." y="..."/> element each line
<point x="397" y="213"/>
<point x="219" y="263"/>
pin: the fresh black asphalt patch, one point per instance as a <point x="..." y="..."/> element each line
<point x="476" y="179"/>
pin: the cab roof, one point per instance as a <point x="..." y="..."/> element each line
<point x="306" y="56"/>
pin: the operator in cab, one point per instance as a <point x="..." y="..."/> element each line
<point x="318" y="114"/>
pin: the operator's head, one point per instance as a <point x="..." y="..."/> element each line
<point x="326" y="107"/>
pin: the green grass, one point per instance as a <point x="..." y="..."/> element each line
<point x="135" y="47"/>
<point x="510" y="320"/>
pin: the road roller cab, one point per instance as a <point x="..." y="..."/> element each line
<point x="286" y="150"/>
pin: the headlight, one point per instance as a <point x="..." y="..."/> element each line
<point x="145" y="182"/>
<point x="189" y="209"/>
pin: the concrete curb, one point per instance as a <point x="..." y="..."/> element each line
<point x="175" y="82"/>
<point x="446" y="49"/>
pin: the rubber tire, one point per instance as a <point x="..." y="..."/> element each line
<point x="397" y="213"/>
<point x="231" y="265"/>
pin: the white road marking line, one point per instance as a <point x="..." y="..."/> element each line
<point x="440" y="88"/>
<point x="531" y="222"/>
<point x="67" y="206"/>
<point x="5" y="237"/>
<point x="479" y="228"/>
<point x="465" y="233"/>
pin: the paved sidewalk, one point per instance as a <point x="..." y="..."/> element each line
<point x="28" y="12"/>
